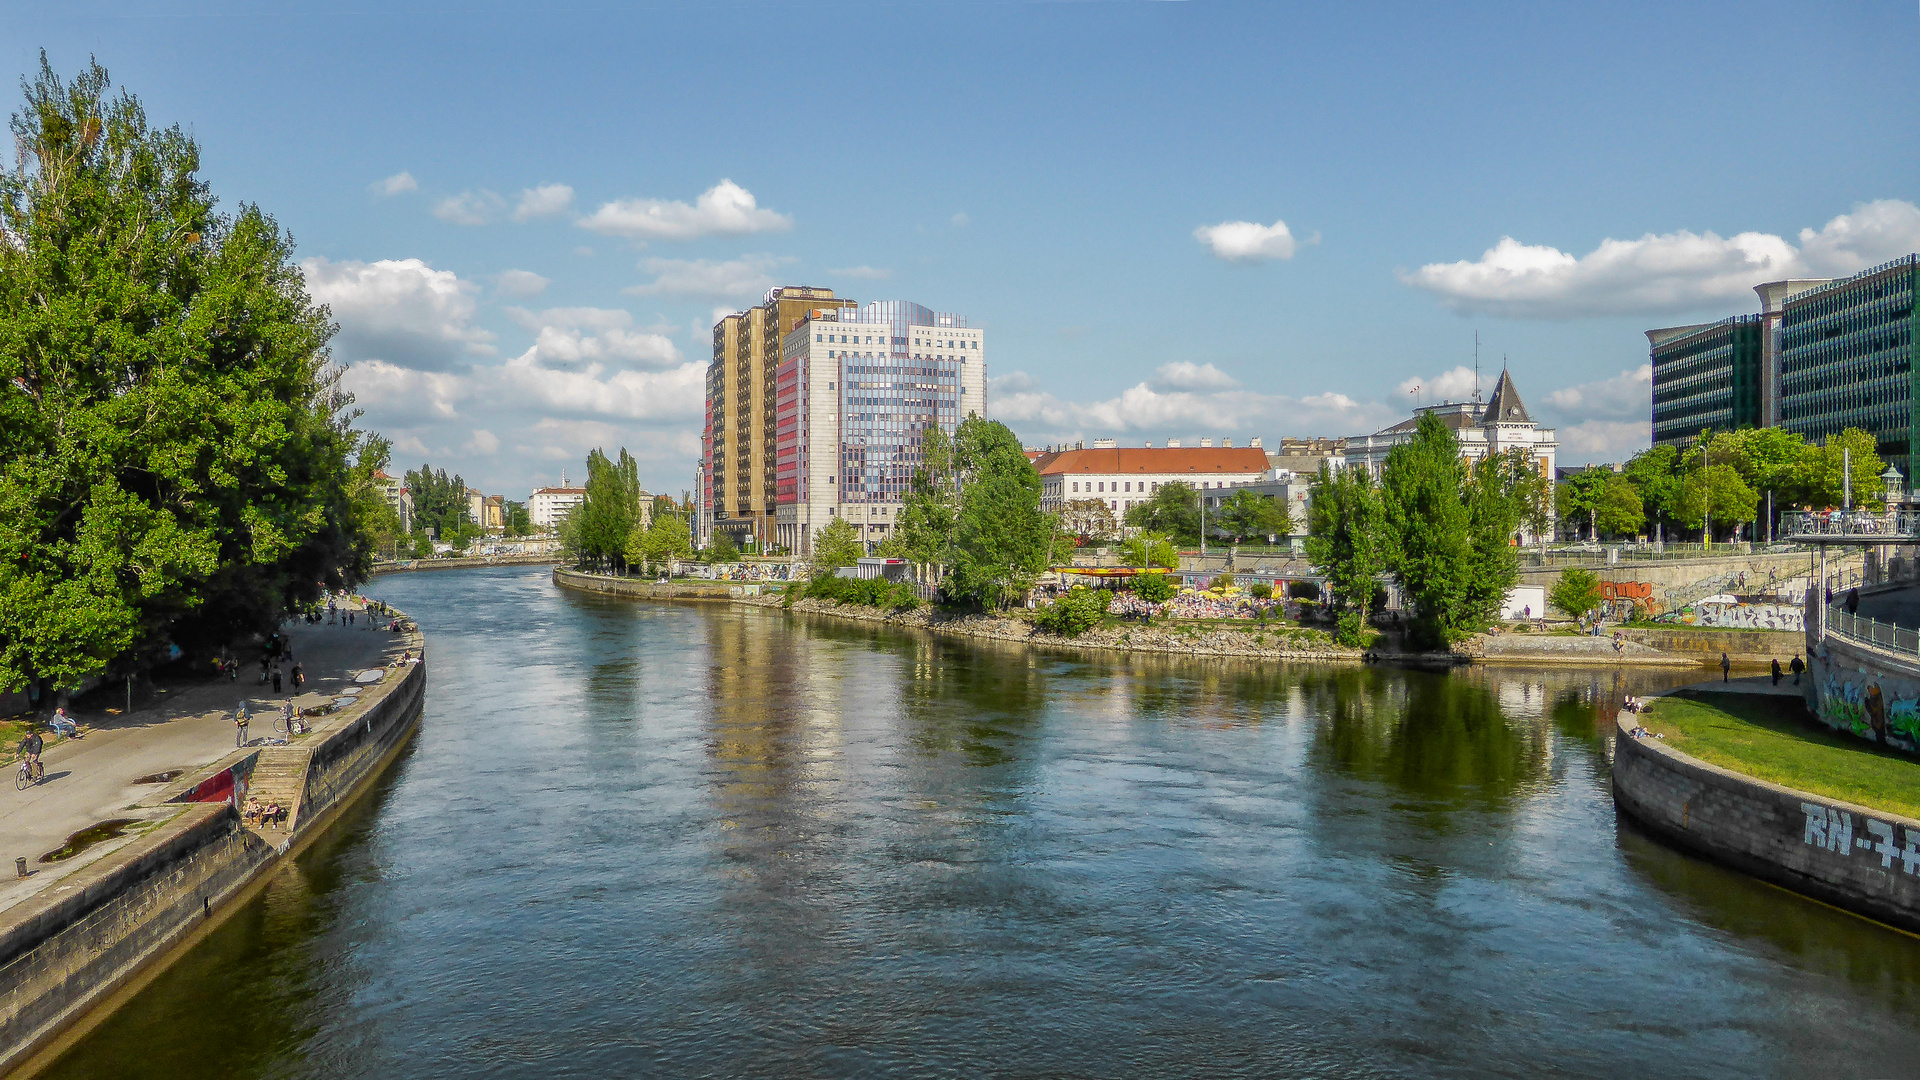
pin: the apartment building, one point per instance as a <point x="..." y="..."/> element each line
<point x="1125" y="476"/>
<point x="1484" y="428"/>
<point x="548" y="505"/>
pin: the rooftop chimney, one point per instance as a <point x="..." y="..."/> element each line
<point x="1173" y="444"/>
<point x="1104" y="444"/>
<point x="1226" y="442"/>
<point x="1255" y="443"/>
<point x="1206" y="443"/>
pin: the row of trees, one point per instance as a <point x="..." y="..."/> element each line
<point x="1722" y="481"/>
<point x="1445" y="532"/>
<point x="178" y="463"/>
<point x="1175" y="511"/>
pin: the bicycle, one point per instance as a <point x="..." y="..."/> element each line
<point x="29" y="774"/>
<point x="289" y="725"/>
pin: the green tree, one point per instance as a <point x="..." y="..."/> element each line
<point x="722" y="549"/>
<point x="1153" y="588"/>
<point x="516" y="519"/>
<point x="1088" y="519"/>
<point x="1173" y="510"/>
<point x="1080" y="610"/>
<point x="835" y="546"/>
<point x="1618" y="511"/>
<point x="1576" y="593"/>
<point x="610" y="509"/>
<point x="1000" y="537"/>
<point x="1497" y="490"/>
<point x="1422" y="490"/>
<point x="174" y="447"/>
<point x="1347" y="538"/>
<point x="1580" y="496"/>
<point x="439" y="501"/>
<point x="1246" y="515"/>
<point x="1149" y="549"/>
<point x="1826" y="475"/>
<point x="1655" y="476"/>
<point x="1716" y="490"/>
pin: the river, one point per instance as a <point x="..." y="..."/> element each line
<point x="634" y="839"/>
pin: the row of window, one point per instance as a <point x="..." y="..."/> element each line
<point x="1098" y="487"/>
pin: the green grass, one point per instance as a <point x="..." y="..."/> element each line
<point x="1773" y="738"/>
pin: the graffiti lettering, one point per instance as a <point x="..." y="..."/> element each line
<point x="1626" y="590"/>
<point x="1816" y="833"/>
<point x="1832" y="830"/>
<point x="1888" y="850"/>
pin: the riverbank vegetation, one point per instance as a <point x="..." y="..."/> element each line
<point x="1772" y="738"/>
<point x="178" y="465"/>
<point x="869" y="592"/>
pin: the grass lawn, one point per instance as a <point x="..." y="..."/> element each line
<point x="1774" y="739"/>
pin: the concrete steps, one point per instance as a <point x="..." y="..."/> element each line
<point x="280" y="776"/>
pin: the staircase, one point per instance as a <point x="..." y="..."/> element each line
<point x="280" y="776"/>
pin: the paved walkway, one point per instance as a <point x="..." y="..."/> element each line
<point x="1758" y="684"/>
<point x="1900" y="607"/>
<point x="94" y="779"/>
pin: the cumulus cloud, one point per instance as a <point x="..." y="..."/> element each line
<point x="380" y="387"/>
<point x="520" y="283"/>
<point x="747" y="276"/>
<point x="1455" y="385"/>
<point x="483" y="442"/>
<point x="1628" y="394"/>
<point x="1667" y="272"/>
<point x="864" y="273"/>
<point x="1187" y="375"/>
<point x="726" y="209"/>
<point x="1247" y="241"/>
<point x="399" y="310"/>
<point x="470" y="208"/>
<point x="593" y="338"/>
<point x="398" y="183"/>
<point x="547" y="200"/>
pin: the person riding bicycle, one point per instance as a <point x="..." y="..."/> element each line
<point x="30" y="747"/>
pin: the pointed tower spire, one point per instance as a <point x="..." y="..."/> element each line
<point x="1505" y="406"/>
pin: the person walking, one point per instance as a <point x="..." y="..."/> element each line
<point x="1726" y="665"/>
<point x="1776" y="671"/>
<point x="1796" y="665"/>
<point x="240" y="722"/>
<point x="299" y="678"/>
<point x="1853" y="601"/>
<point x="276" y="679"/>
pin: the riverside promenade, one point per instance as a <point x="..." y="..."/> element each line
<point x="98" y="778"/>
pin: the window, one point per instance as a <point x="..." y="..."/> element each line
<point x="1076" y="487"/>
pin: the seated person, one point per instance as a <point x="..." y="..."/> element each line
<point x="252" y="814"/>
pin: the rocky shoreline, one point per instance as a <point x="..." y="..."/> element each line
<point x="1284" y="643"/>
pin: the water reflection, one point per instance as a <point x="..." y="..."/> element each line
<point x="639" y="839"/>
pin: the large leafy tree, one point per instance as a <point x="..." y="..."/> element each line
<point x="1618" y="510"/>
<point x="603" y="523"/>
<point x="1247" y="515"/>
<point x="835" y="546"/>
<point x="1173" y="510"/>
<point x="974" y="510"/>
<point x="439" y="501"/>
<point x="1347" y="540"/>
<point x="1088" y="519"/>
<point x="1499" y="491"/>
<point x="175" y="453"/>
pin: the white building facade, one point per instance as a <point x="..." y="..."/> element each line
<point x="1495" y="426"/>
<point x="857" y="391"/>
<point x="547" y="505"/>
<point x="1125" y="476"/>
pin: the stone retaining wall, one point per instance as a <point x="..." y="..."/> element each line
<point x="406" y="565"/>
<point x="1705" y="644"/>
<point x="1852" y="857"/>
<point x="642" y="589"/>
<point x="1865" y="690"/>
<point x="64" y="952"/>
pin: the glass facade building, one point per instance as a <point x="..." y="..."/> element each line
<point x="1847" y="359"/>
<point x="1706" y="376"/>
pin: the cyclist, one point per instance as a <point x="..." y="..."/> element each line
<point x="31" y="747"/>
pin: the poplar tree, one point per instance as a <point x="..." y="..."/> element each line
<point x="1347" y="539"/>
<point x="175" y="452"/>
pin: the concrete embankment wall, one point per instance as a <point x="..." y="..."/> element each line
<point x="1705" y="645"/>
<point x="64" y="952"/>
<point x="1865" y="690"/>
<point x="642" y="589"/>
<point x="1863" y="860"/>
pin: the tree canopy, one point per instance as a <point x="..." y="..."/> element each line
<point x="1173" y="510"/>
<point x="835" y="546"/>
<point x="974" y="508"/>
<point x="177" y="461"/>
<point x="1246" y="515"/>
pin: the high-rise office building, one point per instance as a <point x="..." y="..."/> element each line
<point x="739" y="437"/>
<point x="856" y="392"/>
<point x="1820" y="357"/>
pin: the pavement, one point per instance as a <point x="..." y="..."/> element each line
<point x="1757" y="684"/>
<point x="1901" y="607"/>
<point x="96" y="777"/>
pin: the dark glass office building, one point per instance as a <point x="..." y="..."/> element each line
<point x="1847" y="359"/>
<point x="1706" y="376"/>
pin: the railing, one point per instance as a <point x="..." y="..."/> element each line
<point x="1895" y="526"/>
<point x="1872" y="631"/>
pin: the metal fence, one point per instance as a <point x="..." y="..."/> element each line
<point x="1896" y="526"/>
<point x="1872" y="631"/>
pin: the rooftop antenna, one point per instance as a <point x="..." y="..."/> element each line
<point x="1476" y="367"/>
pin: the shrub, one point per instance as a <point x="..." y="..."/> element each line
<point x="1153" y="588"/>
<point x="1576" y="593"/>
<point x="1261" y="591"/>
<point x="1080" y="610"/>
<point x="872" y="592"/>
<point x="1353" y="631"/>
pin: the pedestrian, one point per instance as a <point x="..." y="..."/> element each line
<point x="1726" y="665"/>
<point x="1796" y="666"/>
<point x="1853" y="600"/>
<point x="1829" y="596"/>
<point x="1776" y="671"/>
<point x="299" y="678"/>
<point x="265" y="663"/>
<point x="240" y="722"/>
<point x="276" y="680"/>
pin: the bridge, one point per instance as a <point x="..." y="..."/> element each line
<point x="1857" y="527"/>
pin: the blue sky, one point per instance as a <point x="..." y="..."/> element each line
<point x="1050" y="170"/>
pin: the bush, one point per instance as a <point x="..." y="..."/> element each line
<point x="1153" y="588"/>
<point x="1261" y="591"/>
<point x="872" y="592"/>
<point x="1074" y="614"/>
<point x="1304" y="590"/>
<point x="1576" y="593"/>
<point x="1353" y="631"/>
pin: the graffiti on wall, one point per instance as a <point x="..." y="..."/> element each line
<point x="1883" y="708"/>
<point x="1743" y="616"/>
<point x="1831" y="829"/>
<point x="1626" y="590"/>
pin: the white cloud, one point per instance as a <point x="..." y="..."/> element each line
<point x="593" y="338"/>
<point x="483" y="442"/>
<point x="470" y="208"/>
<point x="1664" y="273"/>
<point x="726" y="209"/>
<point x="1874" y="233"/>
<point x="399" y="310"/>
<point x="673" y="395"/>
<point x="1187" y="375"/>
<point x="1595" y="441"/>
<point x="1628" y="394"/>
<point x="397" y="184"/>
<point x="547" y="200"/>
<point x="1247" y="241"/>
<point x="864" y="273"/>
<point x="520" y="283"/>
<point x="747" y="276"/>
<point x="380" y="387"/>
<point x="1455" y="385"/>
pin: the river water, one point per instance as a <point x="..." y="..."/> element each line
<point x="633" y="839"/>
